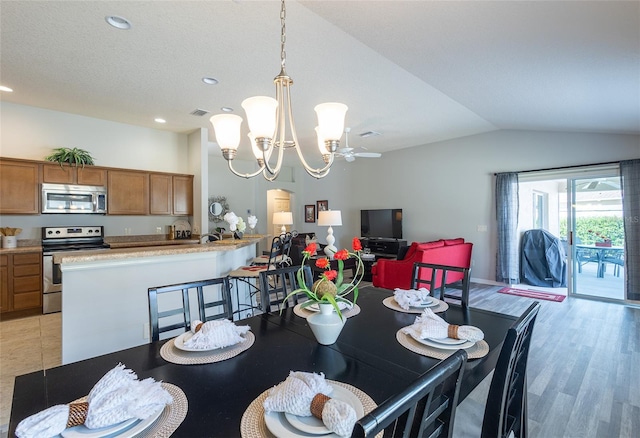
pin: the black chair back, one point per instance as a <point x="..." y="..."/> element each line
<point x="424" y="409"/>
<point x="276" y="284"/>
<point x="506" y="408"/>
<point x="439" y="276"/>
<point x="221" y="305"/>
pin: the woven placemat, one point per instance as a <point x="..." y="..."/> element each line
<point x="391" y="303"/>
<point x="171" y="417"/>
<point x="304" y="313"/>
<point x="170" y="353"/>
<point x="479" y="349"/>
<point x="253" y="425"/>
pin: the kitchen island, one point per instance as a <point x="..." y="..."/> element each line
<point x="105" y="305"/>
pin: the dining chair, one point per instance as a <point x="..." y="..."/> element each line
<point x="505" y="409"/>
<point x="434" y="277"/>
<point x="278" y="255"/>
<point x="276" y="284"/>
<point x="175" y="301"/>
<point x="426" y="408"/>
<point x="616" y="258"/>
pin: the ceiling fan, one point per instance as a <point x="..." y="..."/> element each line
<point x="350" y="154"/>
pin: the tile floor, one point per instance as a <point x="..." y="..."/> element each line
<point x="26" y="345"/>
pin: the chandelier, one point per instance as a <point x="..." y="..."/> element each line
<point x="268" y="119"/>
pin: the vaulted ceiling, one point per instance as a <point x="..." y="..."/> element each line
<point x="415" y="71"/>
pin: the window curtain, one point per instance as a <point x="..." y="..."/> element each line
<point x="630" y="175"/>
<point x="508" y="257"/>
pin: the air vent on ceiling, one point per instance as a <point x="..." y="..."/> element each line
<point x="199" y="112"/>
<point x="369" y="134"/>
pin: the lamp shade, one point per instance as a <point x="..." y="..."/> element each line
<point x="329" y="218"/>
<point x="331" y="120"/>
<point x="261" y="115"/>
<point x="227" y="129"/>
<point x="283" y="218"/>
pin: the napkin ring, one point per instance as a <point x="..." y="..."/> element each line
<point x="452" y="331"/>
<point x="198" y="327"/>
<point x="317" y="404"/>
<point x="77" y="413"/>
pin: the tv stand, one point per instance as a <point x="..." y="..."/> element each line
<point x="383" y="247"/>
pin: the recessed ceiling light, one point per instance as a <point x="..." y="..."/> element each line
<point x="209" y="80"/>
<point x="227" y="109"/>
<point x="159" y="120"/>
<point x="118" y="22"/>
<point x="7" y="89"/>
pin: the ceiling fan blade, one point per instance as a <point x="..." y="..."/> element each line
<point x="344" y="151"/>
<point x="368" y="154"/>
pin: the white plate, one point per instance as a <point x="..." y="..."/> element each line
<point x="287" y="425"/>
<point x="443" y="346"/>
<point x="341" y="305"/>
<point x="126" y="429"/>
<point x="448" y="341"/>
<point x="430" y="302"/>
<point x="180" y="340"/>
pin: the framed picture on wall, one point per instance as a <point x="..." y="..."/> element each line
<point x="310" y="213"/>
<point x="322" y="206"/>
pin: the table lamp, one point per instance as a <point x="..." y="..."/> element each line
<point x="283" y="218"/>
<point x="330" y="218"/>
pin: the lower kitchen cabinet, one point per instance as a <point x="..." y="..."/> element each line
<point x="21" y="284"/>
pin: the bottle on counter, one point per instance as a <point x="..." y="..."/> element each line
<point x="172" y="232"/>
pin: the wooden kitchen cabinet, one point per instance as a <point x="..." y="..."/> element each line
<point x="19" y="187"/>
<point x="127" y="192"/>
<point x="160" y="194"/>
<point x="65" y="174"/>
<point x="171" y="194"/>
<point x="21" y="284"/>
<point x="183" y="195"/>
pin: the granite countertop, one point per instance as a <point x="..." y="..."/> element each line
<point x="19" y="249"/>
<point x="160" y="249"/>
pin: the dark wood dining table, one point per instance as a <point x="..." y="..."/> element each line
<point x="366" y="356"/>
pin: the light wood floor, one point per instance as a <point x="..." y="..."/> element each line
<point x="584" y="364"/>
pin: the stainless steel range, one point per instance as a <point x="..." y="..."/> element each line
<point x="64" y="239"/>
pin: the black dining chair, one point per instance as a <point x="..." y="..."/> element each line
<point x="505" y="410"/>
<point x="426" y="408"/>
<point x="276" y="284"/>
<point x="175" y="301"/>
<point x="431" y="275"/>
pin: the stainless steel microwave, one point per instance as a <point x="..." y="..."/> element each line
<point x="63" y="198"/>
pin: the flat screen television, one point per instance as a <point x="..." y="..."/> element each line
<point x="384" y="223"/>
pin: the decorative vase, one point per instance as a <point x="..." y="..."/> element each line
<point x="326" y="325"/>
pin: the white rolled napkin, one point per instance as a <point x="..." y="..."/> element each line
<point x="300" y="390"/>
<point x="410" y="297"/>
<point x="219" y="333"/>
<point x="118" y="396"/>
<point x="430" y="326"/>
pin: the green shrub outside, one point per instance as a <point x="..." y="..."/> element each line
<point x="609" y="226"/>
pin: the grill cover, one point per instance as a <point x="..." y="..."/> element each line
<point x="543" y="261"/>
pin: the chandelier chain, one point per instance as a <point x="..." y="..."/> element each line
<point x="283" y="35"/>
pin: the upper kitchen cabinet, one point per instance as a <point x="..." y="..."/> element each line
<point x="19" y="187"/>
<point x="183" y="195"/>
<point x="128" y="192"/>
<point x="65" y="174"/>
<point x="171" y="194"/>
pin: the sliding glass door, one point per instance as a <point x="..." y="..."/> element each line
<point x="583" y="209"/>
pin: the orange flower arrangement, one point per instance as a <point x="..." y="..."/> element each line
<point x="330" y="287"/>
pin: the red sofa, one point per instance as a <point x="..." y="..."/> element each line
<point x="391" y="274"/>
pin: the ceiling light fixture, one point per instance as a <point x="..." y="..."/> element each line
<point x="268" y="118"/>
<point x="118" y="22"/>
<point x="209" y="80"/>
<point x="7" y="89"/>
<point x="159" y="120"/>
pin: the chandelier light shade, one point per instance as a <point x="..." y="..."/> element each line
<point x="283" y="218"/>
<point x="269" y="120"/>
<point x="330" y="218"/>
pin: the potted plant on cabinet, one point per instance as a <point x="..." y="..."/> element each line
<point x="73" y="156"/>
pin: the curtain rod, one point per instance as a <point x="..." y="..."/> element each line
<point x="564" y="167"/>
